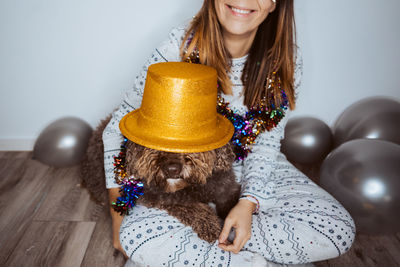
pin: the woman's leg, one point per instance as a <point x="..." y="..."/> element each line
<point x="303" y="223"/>
<point x="151" y="237"/>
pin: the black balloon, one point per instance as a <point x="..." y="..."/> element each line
<point x="307" y="140"/>
<point x="364" y="175"/>
<point x="372" y="118"/>
<point x="63" y="143"/>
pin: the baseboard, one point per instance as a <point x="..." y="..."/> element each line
<point x="17" y="144"/>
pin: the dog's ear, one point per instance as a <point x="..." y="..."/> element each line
<point x="225" y="158"/>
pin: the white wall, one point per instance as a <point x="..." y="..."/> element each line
<point x="76" y="57"/>
<point x="350" y="51"/>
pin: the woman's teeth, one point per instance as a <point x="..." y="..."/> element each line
<point x="241" y="11"/>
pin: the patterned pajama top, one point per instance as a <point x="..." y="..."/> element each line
<point x="298" y="221"/>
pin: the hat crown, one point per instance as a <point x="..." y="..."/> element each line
<point x="178" y="111"/>
<point x="181" y="95"/>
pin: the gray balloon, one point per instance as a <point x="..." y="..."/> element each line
<point x="371" y="118"/>
<point x="307" y="140"/>
<point x="364" y="175"/>
<point x="63" y="143"/>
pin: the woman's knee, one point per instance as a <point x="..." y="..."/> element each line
<point x="303" y="228"/>
<point x="344" y="232"/>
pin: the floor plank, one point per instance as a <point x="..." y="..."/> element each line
<point x="100" y="252"/>
<point x="392" y="244"/>
<point x="46" y="243"/>
<point x="368" y="251"/>
<point x="11" y="169"/>
<point x="76" y="245"/>
<point x="16" y="154"/>
<point x="67" y="200"/>
<point x="19" y="200"/>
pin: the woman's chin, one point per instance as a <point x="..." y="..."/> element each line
<point x="238" y="29"/>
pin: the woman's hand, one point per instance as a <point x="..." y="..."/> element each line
<point x="113" y="194"/>
<point x="240" y="218"/>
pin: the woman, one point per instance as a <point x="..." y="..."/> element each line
<point x="251" y="44"/>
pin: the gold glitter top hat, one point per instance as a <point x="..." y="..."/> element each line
<point x="178" y="111"/>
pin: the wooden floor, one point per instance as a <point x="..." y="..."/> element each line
<point x="47" y="219"/>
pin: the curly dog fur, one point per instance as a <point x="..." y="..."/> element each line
<point x="92" y="166"/>
<point x="184" y="183"/>
<point x="181" y="183"/>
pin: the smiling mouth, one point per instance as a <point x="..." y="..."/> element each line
<point x="240" y="11"/>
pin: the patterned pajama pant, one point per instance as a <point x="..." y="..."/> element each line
<point x="303" y="223"/>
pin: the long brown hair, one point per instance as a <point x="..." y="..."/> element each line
<point x="272" y="51"/>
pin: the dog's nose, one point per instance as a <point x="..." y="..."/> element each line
<point x="174" y="169"/>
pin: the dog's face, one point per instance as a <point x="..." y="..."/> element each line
<point x="171" y="172"/>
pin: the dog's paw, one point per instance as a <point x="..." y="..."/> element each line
<point x="209" y="231"/>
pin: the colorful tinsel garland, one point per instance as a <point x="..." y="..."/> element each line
<point x="257" y="120"/>
<point x="131" y="189"/>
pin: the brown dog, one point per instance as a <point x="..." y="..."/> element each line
<point x="184" y="184"/>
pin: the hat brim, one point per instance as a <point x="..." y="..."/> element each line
<point x="130" y="129"/>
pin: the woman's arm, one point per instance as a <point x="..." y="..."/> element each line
<point x="256" y="176"/>
<point x="259" y="164"/>
<point x="113" y="194"/>
<point x="257" y="170"/>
